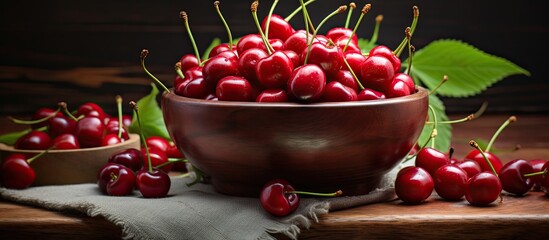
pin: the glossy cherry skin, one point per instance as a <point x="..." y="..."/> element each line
<point x="89" y="131"/>
<point x="355" y="60"/>
<point x="346" y="78"/>
<point x="157" y="142"/>
<point x="512" y="177"/>
<point x="337" y="92"/>
<point x="450" y="182"/>
<point x="385" y="52"/>
<point x="476" y="156"/>
<point x="351" y="47"/>
<point x="197" y="88"/>
<point x="91" y="109"/>
<point x="188" y="61"/>
<point x="544" y="184"/>
<point x="297" y="42"/>
<point x="537" y="164"/>
<point x="157" y="157"/>
<point x="272" y="95"/>
<point x="155" y="184"/>
<point x="275" y="70"/>
<point x="336" y="33"/>
<point x="296" y="58"/>
<point x="407" y="80"/>
<point x="43" y="113"/>
<point x="370" y="94"/>
<point x="34" y="140"/>
<point x="329" y="58"/>
<point x="16" y="172"/>
<point x="219" y="67"/>
<point x="276" y="44"/>
<point x="307" y="83"/>
<point x="482" y="189"/>
<point x="110" y="139"/>
<point x="131" y="158"/>
<point x="219" y="49"/>
<point x="116" y="180"/>
<point x="377" y="73"/>
<point x="61" y="125"/>
<point x="249" y="41"/>
<point x="278" y="27"/>
<point x="112" y="127"/>
<point x="276" y="201"/>
<point x="248" y="61"/>
<point x="398" y="88"/>
<point x="413" y="185"/>
<point x="66" y="141"/>
<point x="471" y="167"/>
<point x="431" y="159"/>
<point x="234" y="88"/>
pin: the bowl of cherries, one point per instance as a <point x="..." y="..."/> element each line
<point x="298" y="105"/>
<point x="63" y="147"/>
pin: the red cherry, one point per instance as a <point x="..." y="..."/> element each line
<point x="131" y="157"/>
<point x="336" y="33"/>
<point x="154" y="184"/>
<point x="219" y="49"/>
<point x="197" y="88"/>
<point x="34" y="140"/>
<point x="249" y="41"/>
<point x="234" y="88"/>
<point x="544" y="184"/>
<point x="91" y="109"/>
<point x="329" y="58"/>
<point x="398" y="88"/>
<point x="61" y="125"/>
<point x="355" y="61"/>
<point x="43" y="113"/>
<point x="385" y="52"/>
<point x="248" y="62"/>
<point x="272" y="95"/>
<point x="482" y="189"/>
<point x="431" y="159"/>
<point x="66" y="141"/>
<point x="273" y="71"/>
<point x="370" y="94"/>
<point x="346" y="78"/>
<point x="337" y="92"/>
<point x="450" y="182"/>
<point x="297" y="42"/>
<point x="407" y="80"/>
<point x="219" y="67"/>
<point x="276" y="201"/>
<point x="89" y="131"/>
<point x="307" y="83"/>
<point x="278" y="27"/>
<point x="296" y="59"/>
<point x="351" y="47"/>
<point x="476" y="156"/>
<point x="188" y="61"/>
<point x="413" y="185"/>
<point x="276" y="44"/>
<point x="112" y="126"/>
<point x="116" y="180"/>
<point x="537" y="164"/>
<point x="173" y="152"/>
<point x="110" y="139"/>
<point x="157" y="157"/>
<point x="377" y="72"/>
<point x="16" y="172"/>
<point x="512" y="177"/>
<point x="471" y="167"/>
<point x="157" y="142"/>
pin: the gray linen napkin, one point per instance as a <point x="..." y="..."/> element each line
<point x="196" y="212"/>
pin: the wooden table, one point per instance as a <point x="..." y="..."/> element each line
<point x="515" y="218"/>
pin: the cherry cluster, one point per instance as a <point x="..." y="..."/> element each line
<point x="480" y="177"/>
<point x="281" y="64"/>
<point x="89" y="127"/>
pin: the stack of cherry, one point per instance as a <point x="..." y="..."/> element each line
<point x="89" y="127"/>
<point x="480" y="176"/>
<point x="281" y="64"/>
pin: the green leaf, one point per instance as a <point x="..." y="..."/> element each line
<point x="365" y="45"/>
<point x="152" y="121"/>
<point x="215" y="42"/>
<point x="469" y="69"/>
<point x="11" y="138"/>
<point x="444" y="131"/>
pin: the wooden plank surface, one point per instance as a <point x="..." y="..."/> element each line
<point x="515" y="218"/>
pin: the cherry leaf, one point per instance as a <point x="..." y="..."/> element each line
<point x="152" y="121"/>
<point x="444" y="131"/>
<point x="469" y="69"/>
<point x="11" y="138"/>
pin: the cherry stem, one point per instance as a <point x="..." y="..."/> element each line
<point x="297" y="10"/>
<point x="411" y="50"/>
<point x="352" y="7"/>
<point x="178" y="70"/>
<point x="476" y="146"/>
<point x="29" y="122"/>
<point x="63" y="106"/>
<point x="334" y="194"/>
<point x="29" y="161"/>
<point x="144" y="54"/>
<point x="465" y="119"/>
<point x="113" y="176"/>
<point x="136" y="111"/>
<point x="510" y="120"/>
<point x="341" y="9"/>
<point x="305" y="20"/>
<point x="268" y="24"/>
<point x="435" y="123"/>
<point x="375" y="34"/>
<point x="353" y="73"/>
<point x="119" y="108"/>
<point x="183" y="175"/>
<point x="230" y="35"/>
<point x="444" y="80"/>
<point x="185" y="18"/>
<point x="268" y="46"/>
<point x="365" y="10"/>
<point x="178" y="160"/>
<point x="400" y="47"/>
<point x="544" y="172"/>
<point x="199" y="175"/>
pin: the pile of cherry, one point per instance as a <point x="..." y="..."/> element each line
<point x="480" y="176"/>
<point x="281" y="64"/>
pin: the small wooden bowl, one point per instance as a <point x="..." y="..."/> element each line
<point x="319" y="147"/>
<point x="58" y="167"/>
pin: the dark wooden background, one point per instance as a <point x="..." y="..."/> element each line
<point x="79" y="51"/>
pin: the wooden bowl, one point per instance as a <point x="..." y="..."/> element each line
<point x="58" y="167"/>
<point x="319" y="147"/>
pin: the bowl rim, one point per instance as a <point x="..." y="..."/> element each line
<point x="133" y="137"/>
<point x="419" y="94"/>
